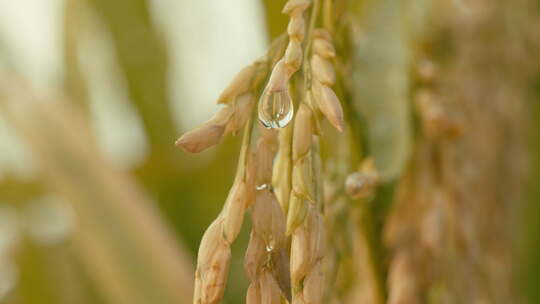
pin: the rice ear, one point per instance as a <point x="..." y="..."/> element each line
<point x="303" y="131"/>
<point x="215" y="278"/>
<point x="300" y="255"/>
<point x="293" y="55"/>
<point x="212" y="265"/>
<point x="296" y="28"/>
<point x="328" y="103"/>
<point x="254" y="293"/>
<point x="281" y="271"/>
<point x="323" y="71"/>
<point x="297" y="213"/>
<point x="233" y="213"/>
<point x="242" y="109"/>
<point x="270" y="292"/>
<point x="240" y="84"/>
<point x="302" y="180"/>
<point x="314" y="284"/>
<point x="321" y="33"/>
<point x="202" y="138"/>
<point x="279" y="78"/>
<point x="254" y="254"/>
<point x="207" y="135"/>
<point x="295" y="7"/>
<point x="324" y="48"/>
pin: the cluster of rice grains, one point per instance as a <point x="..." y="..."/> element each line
<point x="279" y="175"/>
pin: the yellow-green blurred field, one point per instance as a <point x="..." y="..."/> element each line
<point x="97" y="205"/>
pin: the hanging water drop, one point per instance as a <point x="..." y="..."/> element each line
<point x="275" y="109"/>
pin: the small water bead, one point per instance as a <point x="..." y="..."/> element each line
<point x="270" y="244"/>
<point x="261" y="187"/>
<point x="275" y="109"/>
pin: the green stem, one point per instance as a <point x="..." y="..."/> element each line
<point x="328" y="10"/>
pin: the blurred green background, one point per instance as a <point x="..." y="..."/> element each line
<point x="97" y="205"/>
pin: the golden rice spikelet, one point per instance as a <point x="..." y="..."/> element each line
<point x="216" y="278"/>
<point x="264" y="157"/>
<point x="270" y="292"/>
<point x="298" y="207"/>
<point x="293" y="55"/>
<point x="266" y="243"/>
<point x="254" y="293"/>
<point x="324" y="77"/>
<point x="242" y="108"/>
<point x="303" y="130"/>
<point x="324" y="48"/>
<point x="297" y="28"/>
<point x="328" y="103"/>
<point x="233" y="213"/>
<point x="212" y="265"/>
<point x="288" y="65"/>
<point x="240" y="84"/>
<point x="307" y="271"/>
<point x="268" y="220"/>
<point x="323" y="71"/>
<point x="214" y="251"/>
<point x="321" y="33"/>
<point x="279" y="77"/>
<point x="302" y="181"/>
<point x="282" y="170"/>
<point x="268" y="231"/>
<point x="317" y="237"/>
<point x="295" y="7"/>
<point x="208" y="134"/>
<point x="300" y="254"/>
<point x="314" y="284"/>
<point x="281" y="270"/>
<point x="255" y="253"/>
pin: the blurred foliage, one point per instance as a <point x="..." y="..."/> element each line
<point x="275" y="20"/>
<point x="122" y="242"/>
<point x="143" y="58"/>
<point x="123" y="252"/>
<point x="529" y="231"/>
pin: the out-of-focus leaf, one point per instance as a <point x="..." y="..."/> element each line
<point x="276" y="22"/>
<point x="142" y="56"/>
<point x="529" y="233"/>
<point x="75" y="85"/>
<point x="121" y="239"/>
<point x="381" y="83"/>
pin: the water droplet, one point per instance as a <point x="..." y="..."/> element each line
<point x="261" y="187"/>
<point x="275" y="109"/>
<point x="270" y="245"/>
